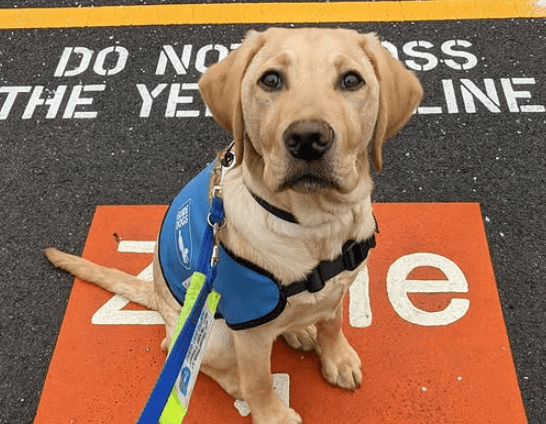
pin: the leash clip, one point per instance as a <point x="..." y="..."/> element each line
<point x="215" y="257"/>
<point x="227" y="162"/>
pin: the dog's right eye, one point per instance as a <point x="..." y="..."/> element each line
<point x="271" y="81"/>
<point x="351" y="81"/>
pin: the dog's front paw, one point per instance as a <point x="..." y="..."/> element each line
<point x="341" y="365"/>
<point x="284" y="415"/>
<point x="305" y="339"/>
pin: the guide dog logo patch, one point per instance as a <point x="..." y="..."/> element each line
<point x="183" y="230"/>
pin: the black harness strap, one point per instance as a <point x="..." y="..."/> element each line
<point x="352" y="256"/>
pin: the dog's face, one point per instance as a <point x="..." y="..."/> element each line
<point x="304" y="105"/>
<point x="310" y="101"/>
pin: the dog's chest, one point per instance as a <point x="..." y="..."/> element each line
<point x="307" y="308"/>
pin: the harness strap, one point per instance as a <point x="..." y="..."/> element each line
<point x="352" y="255"/>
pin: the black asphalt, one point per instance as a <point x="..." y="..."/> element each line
<point x="53" y="172"/>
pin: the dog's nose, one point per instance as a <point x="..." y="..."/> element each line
<point x="308" y="140"/>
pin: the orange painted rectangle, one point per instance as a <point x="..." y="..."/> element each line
<point x="420" y="365"/>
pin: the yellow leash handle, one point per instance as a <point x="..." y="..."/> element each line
<point x="177" y="405"/>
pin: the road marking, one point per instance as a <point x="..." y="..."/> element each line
<point x="268" y="13"/>
<point x="137" y="246"/>
<point x="454" y="370"/>
<point x="112" y="312"/>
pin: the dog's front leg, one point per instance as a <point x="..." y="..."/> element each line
<point x="341" y="365"/>
<point x="253" y="350"/>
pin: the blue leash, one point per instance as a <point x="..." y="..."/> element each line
<point x="207" y="266"/>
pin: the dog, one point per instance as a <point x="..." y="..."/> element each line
<point x="309" y="110"/>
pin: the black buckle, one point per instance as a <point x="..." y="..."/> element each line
<point x="353" y="255"/>
<point x="314" y="282"/>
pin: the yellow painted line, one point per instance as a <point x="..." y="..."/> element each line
<point x="268" y="13"/>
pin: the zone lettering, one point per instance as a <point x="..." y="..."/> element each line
<point x="401" y="286"/>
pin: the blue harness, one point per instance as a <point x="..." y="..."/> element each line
<point x="251" y="296"/>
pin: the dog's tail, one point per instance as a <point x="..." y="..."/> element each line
<point x="116" y="281"/>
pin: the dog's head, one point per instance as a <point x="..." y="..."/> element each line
<point x="304" y="105"/>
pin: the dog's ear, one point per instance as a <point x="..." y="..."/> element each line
<point x="220" y="87"/>
<point x="399" y="95"/>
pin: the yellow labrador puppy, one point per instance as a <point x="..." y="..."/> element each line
<point x="309" y="110"/>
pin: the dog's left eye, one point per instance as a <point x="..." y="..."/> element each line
<point x="271" y="81"/>
<point x="351" y="81"/>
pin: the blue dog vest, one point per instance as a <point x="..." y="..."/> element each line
<point x="249" y="297"/>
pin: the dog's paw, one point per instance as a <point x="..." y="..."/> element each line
<point x="291" y="417"/>
<point x="305" y="339"/>
<point x="341" y="366"/>
<point x="165" y="344"/>
<point x="284" y="416"/>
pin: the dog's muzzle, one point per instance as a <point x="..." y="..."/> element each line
<point x="310" y="169"/>
<point x="308" y="140"/>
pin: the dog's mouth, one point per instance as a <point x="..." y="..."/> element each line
<point x="309" y="183"/>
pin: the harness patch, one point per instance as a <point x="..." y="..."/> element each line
<point x="184" y="239"/>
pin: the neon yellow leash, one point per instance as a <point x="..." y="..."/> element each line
<point x="177" y="405"/>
